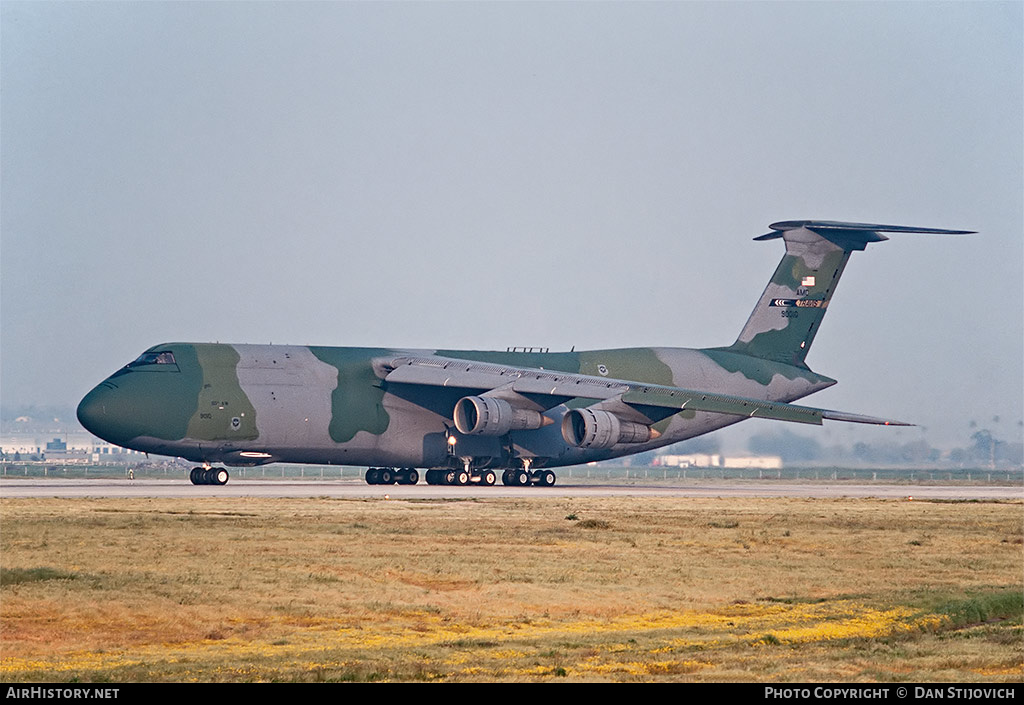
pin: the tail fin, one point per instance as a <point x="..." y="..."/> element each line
<point x="786" y="318"/>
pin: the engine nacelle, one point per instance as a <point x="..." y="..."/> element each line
<point x="598" y="429"/>
<point x="487" y="416"/>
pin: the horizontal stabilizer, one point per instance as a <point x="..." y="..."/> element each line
<point x="851" y="236"/>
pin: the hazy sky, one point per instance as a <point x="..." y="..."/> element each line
<point x="480" y="175"/>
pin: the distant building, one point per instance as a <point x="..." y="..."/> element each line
<point x="693" y="460"/>
<point x="72" y="447"/>
<point x="58" y="451"/>
<point x="761" y="462"/>
<point x="716" y="460"/>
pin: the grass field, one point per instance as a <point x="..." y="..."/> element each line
<point x="510" y="589"/>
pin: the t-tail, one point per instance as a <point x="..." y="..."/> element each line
<point x="789" y="313"/>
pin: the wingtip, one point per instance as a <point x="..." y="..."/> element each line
<point x="860" y="418"/>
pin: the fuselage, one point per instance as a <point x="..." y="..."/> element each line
<point x="253" y="404"/>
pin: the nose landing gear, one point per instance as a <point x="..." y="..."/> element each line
<point x="209" y="476"/>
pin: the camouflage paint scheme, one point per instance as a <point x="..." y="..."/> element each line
<point x="253" y="404"/>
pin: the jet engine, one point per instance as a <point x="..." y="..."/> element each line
<point x="598" y="429"/>
<point x="487" y="416"/>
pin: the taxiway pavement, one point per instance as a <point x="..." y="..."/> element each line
<point x="354" y="489"/>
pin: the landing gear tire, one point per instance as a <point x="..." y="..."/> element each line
<point x="411" y="477"/>
<point x="546" y="478"/>
<point x="516" y="478"/>
<point x="209" y="476"/>
<point x="450" y="477"/>
<point x="462" y="478"/>
<point x="384" y="476"/>
<point x="487" y="477"/>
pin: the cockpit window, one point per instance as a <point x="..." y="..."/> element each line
<point x="154" y="358"/>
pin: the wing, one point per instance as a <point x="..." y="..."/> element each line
<point x="537" y="390"/>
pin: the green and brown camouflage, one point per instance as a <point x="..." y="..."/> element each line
<point x="442" y="409"/>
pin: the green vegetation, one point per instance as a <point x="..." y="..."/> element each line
<point x="985" y="607"/>
<point x="17" y="576"/>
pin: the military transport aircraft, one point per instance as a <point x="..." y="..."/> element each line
<point x="463" y="415"/>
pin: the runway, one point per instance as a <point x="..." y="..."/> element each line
<point x="355" y="489"/>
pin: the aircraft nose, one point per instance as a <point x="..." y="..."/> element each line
<point x="92" y="411"/>
<point x="100" y="413"/>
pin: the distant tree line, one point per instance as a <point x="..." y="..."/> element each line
<point x="982" y="450"/>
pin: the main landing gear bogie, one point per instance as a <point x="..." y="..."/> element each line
<point x="209" y="476"/>
<point x="391" y="476"/>
<point x="525" y="478"/>
<point x="461" y="478"/>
